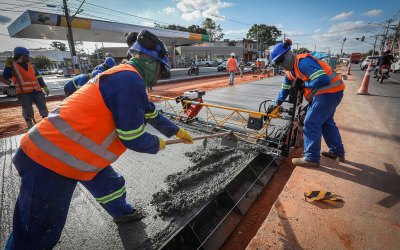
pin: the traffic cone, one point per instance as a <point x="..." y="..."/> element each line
<point x="363" y="90"/>
<point x="348" y="69"/>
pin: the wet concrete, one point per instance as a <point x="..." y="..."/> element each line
<point x="168" y="186"/>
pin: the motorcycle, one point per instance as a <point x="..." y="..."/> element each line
<point x="383" y="73"/>
<point x="193" y="70"/>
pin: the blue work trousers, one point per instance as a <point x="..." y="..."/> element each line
<point x="319" y="122"/>
<point x="44" y="199"/>
<point x="231" y="77"/>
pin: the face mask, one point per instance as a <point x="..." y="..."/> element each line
<point x="149" y="69"/>
<point x="288" y="61"/>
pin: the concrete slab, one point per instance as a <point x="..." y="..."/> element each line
<point x="89" y="226"/>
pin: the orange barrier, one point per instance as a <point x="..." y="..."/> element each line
<point x="363" y="90"/>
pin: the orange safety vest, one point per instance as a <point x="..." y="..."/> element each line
<point x="335" y="82"/>
<point x="27" y="79"/>
<point x="79" y="137"/>
<point x="231" y="65"/>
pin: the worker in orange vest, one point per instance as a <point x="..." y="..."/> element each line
<point x="232" y="68"/>
<point x="28" y="84"/>
<point x="81" y="138"/>
<point x="323" y="89"/>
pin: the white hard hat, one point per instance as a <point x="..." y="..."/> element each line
<point x="232" y="54"/>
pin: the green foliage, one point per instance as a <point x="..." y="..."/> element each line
<point x="300" y="50"/>
<point x="197" y="29"/>
<point x="59" y="45"/>
<point x="41" y="62"/>
<point x="214" y="31"/>
<point x="265" y="34"/>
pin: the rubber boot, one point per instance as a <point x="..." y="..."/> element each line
<point x="29" y="123"/>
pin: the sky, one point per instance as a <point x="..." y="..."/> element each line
<point x="320" y="25"/>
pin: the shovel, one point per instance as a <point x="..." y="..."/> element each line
<point x="228" y="139"/>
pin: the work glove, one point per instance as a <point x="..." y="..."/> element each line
<point x="8" y="62"/>
<point x="299" y="85"/>
<point x="46" y="90"/>
<point x="183" y="134"/>
<point x="162" y="144"/>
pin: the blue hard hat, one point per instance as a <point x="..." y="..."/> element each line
<point x="149" y="44"/>
<point x="110" y="62"/>
<point x="21" y="51"/>
<point x="96" y="72"/>
<point x="280" y="49"/>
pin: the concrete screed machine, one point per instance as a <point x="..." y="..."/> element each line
<point x="276" y="131"/>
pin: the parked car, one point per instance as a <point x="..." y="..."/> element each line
<point x="204" y="62"/>
<point x="251" y="63"/>
<point x="222" y="66"/>
<point x="8" y="90"/>
<point x="367" y="60"/>
<point x="60" y="72"/>
<point x="54" y="71"/>
<point x="44" y="71"/>
<point x="395" y="66"/>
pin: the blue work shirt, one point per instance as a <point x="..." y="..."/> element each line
<point x="8" y="73"/>
<point x="100" y="67"/>
<point x="125" y="95"/>
<point x="73" y="85"/>
<point x="310" y="67"/>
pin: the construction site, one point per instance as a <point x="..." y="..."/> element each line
<point x="235" y="186"/>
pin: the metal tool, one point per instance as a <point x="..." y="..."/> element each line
<point x="228" y="139"/>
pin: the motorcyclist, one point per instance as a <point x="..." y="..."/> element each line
<point x="385" y="60"/>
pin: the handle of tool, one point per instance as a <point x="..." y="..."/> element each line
<point x="176" y="141"/>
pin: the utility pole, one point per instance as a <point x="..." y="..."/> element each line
<point x="69" y="30"/>
<point x="341" y="51"/>
<point x="395" y="37"/>
<point x="385" y="38"/>
<point x="373" y="51"/>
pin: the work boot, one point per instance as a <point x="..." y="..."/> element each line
<point x="332" y="155"/>
<point x="135" y="216"/>
<point x="302" y="162"/>
<point x="29" y="123"/>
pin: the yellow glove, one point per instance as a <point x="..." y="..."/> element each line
<point x="183" y="134"/>
<point x="46" y="90"/>
<point x="8" y="62"/>
<point x="162" y="144"/>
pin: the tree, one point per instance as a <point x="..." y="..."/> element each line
<point x="41" y="62"/>
<point x="197" y="29"/>
<point x="266" y="35"/>
<point x="372" y="54"/>
<point x="171" y="27"/>
<point x="214" y="31"/>
<point x="301" y="50"/>
<point x="58" y="45"/>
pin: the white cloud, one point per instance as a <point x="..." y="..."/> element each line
<point x="348" y="27"/>
<point x="343" y="15"/>
<point x="317" y="30"/>
<point x="236" y="33"/>
<point x="324" y="18"/>
<point x="279" y="25"/>
<point x="168" y="10"/>
<point x="373" y="13"/>
<point x="197" y="9"/>
<point x="293" y="33"/>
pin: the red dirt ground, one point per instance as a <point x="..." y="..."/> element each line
<point x="12" y="122"/>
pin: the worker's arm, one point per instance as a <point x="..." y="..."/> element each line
<point x="285" y="90"/>
<point x="125" y="95"/>
<point x="158" y="121"/>
<point x="311" y="68"/>
<point x="7" y="73"/>
<point x="39" y="77"/>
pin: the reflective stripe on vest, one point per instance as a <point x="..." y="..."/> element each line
<point x="27" y="80"/>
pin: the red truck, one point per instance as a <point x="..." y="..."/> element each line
<point x="355" y="57"/>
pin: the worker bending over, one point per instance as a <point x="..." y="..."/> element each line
<point x="77" y="82"/>
<point x="323" y="89"/>
<point x="108" y="63"/>
<point x="28" y="84"/>
<point x="81" y="138"/>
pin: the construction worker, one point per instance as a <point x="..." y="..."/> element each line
<point x="113" y="110"/>
<point x="77" y="82"/>
<point x="28" y="83"/>
<point x="232" y="68"/>
<point x="108" y="63"/>
<point x="241" y="67"/>
<point x="323" y="89"/>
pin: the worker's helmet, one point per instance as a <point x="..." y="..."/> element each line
<point x="279" y="50"/>
<point x="21" y="51"/>
<point x="386" y="51"/>
<point x="130" y="38"/>
<point x="110" y="62"/>
<point x="96" y="72"/>
<point x="108" y="54"/>
<point x="232" y="54"/>
<point x="149" y="44"/>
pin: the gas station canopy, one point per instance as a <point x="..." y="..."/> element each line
<point x="40" y="25"/>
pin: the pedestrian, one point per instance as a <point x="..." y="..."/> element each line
<point x="241" y="67"/>
<point x="77" y="82"/>
<point x="81" y="138"/>
<point x="323" y="89"/>
<point x="108" y="63"/>
<point x="232" y="68"/>
<point x="29" y="84"/>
